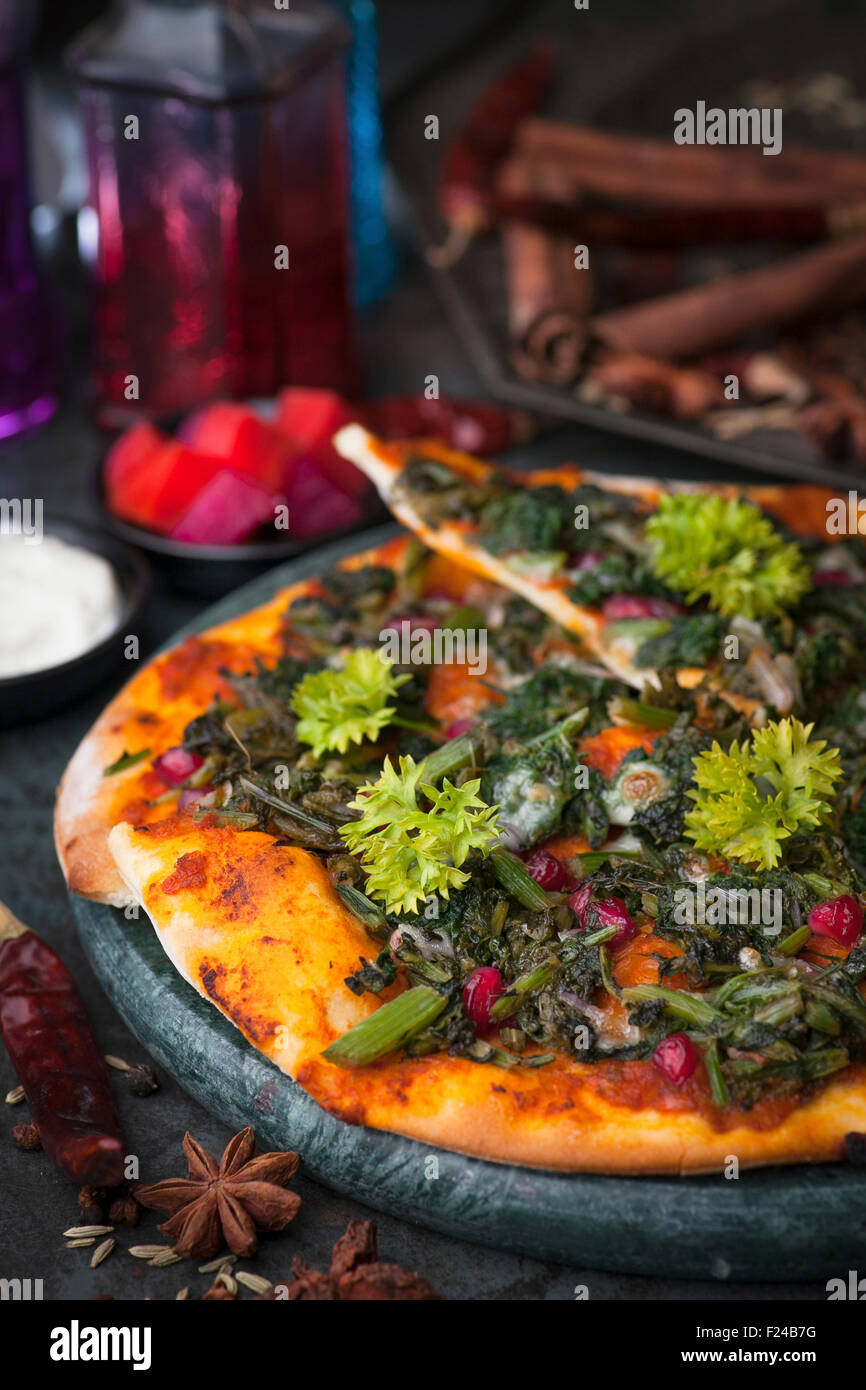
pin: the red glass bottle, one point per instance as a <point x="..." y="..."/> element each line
<point x="219" y="175"/>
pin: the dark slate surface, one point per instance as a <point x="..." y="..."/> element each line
<point x="57" y="465"/>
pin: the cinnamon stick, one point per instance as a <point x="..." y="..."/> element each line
<point x="640" y="168"/>
<point x="549" y="298"/>
<point x="670" y="228"/>
<point x="825" y="280"/>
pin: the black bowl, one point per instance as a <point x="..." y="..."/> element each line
<point x="38" y="693"/>
<point x="209" y="571"/>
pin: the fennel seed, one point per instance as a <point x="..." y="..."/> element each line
<point x="75" y="1231"/>
<point x="165" y="1257"/>
<point x="148" y="1252"/>
<point x="221" y="1262"/>
<point x="15" y="1096"/>
<point x="256" y="1282"/>
<point x="102" y="1252"/>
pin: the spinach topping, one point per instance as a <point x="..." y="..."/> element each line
<point x="772" y="1028"/>
<point x="617" y="573"/>
<point x="540" y="519"/>
<point x="691" y="640"/>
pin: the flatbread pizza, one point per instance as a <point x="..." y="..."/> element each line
<point x="473" y="869"/>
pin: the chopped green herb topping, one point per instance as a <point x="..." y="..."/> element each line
<point x="348" y="705"/>
<point x="726" y="551"/>
<point x="751" y="799"/>
<point x="410" y="853"/>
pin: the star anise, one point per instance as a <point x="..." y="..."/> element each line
<point x="356" y="1275"/>
<point x="226" y="1202"/>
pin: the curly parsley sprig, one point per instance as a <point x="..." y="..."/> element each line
<point x="726" y="551"/>
<point x="751" y="799"/>
<point x="408" y="852"/>
<point x="348" y="704"/>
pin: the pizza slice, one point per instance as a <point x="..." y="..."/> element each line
<point x="655" y="578"/>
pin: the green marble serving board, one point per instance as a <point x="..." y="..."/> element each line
<point x="773" y="1224"/>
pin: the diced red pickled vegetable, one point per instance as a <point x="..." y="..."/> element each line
<point x="316" y="504"/>
<point x="676" y="1058"/>
<point x="545" y="869"/>
<point x="136" y="497"/>
<point x="309" y="418"/>
<point x="612" y="912"/>
<point x="128" y="454"/>
<point x="189" y="475"/>
<point x="175" y="765"/>
<point x="228" y="509"/>
<point x="235" y="434"/>
<point x="636" y="606"/>
<point x="482" y="989"/>
<point x="840" y="918"/>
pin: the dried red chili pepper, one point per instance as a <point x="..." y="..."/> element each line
<point x="48" y="1035"/>
<point x="466" y="182"/>
<point x="475" y="427"/>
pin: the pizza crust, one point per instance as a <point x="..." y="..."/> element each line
<point x="143" y="715"/>
<point x="244" y="941"/>
<point x="265" y="937"/>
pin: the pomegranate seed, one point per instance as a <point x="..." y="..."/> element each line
<point x="634" y="606"/>
<point x="174" y="766"/>
<point x="840" y="577"/>
<point x="458" y="727"/>
<point x="840" y="918"/>
<point x="547" y="871"/>
<point x="579" y="903"/>
<point x="676" y="1058"/>
<point x="612" y="912"/>
<point x="480" y="993"/>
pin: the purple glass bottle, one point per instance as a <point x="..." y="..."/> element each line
<point x="217" y="142"/>
<point x="28" y="328"/>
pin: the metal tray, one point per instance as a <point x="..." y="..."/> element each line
<point x="592" y="65"/>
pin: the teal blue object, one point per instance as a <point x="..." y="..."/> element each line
<point x="798" y="1223"/>
<point x="375" y="259"/>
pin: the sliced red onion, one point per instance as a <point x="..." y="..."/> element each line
<point x="620" y="606"/>
<point x="829" y="576"/>
<point x="175" y="765"/>
<point x="189" y="796"/>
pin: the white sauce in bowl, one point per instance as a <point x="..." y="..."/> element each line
<point x="56" y="602"/>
